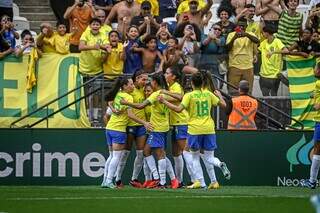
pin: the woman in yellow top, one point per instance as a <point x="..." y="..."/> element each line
<point x="178" y="121"/>
<point x="201" y="132"/>
<point x="116" y="127"/>
<point x="156" y="141"/>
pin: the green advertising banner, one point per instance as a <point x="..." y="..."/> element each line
<point x="77" y="157"/>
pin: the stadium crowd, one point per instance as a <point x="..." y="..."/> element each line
<point x="138" y="38"/>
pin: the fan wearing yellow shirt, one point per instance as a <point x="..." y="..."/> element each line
<point x="114" y="57"/>
<point x="178" y="121"/>
<point x="45" y="41"/>
<point x="116" y="127"/>
<point x="184" y="6"/>
<point x="62" y="39"/>
<point x="201" y="133"/>
<point x="156" y="141"/>
<point x="154" y="6"/>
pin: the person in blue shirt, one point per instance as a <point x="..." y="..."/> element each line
<point x="8" y="32"/>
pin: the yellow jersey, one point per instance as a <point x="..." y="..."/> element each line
<point x="255" y="28"/>
<point x="138" y="97"/>
<point x="104" y="29"/>
<point x="154" y="6"/>
<point x="317" y="100"/>
<point x="198" y="104"/>
<point x="48" y="44"/>
<point x="147" y="111"/>
<point x="113" y="66"/>
<point x="120" y="122"/>
<point x="90" y="60"/>
<point x="176" y="118"/>
<point x="271" y="66"/>
<point x="159" y="113"/>
<point x="62" y="43"/>
<point x="184" y="6"/>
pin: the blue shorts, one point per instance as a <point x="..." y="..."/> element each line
<point x="157" y="139"/>
<point x="316" y="135"/>
<point x="179" y="132"/>
<point x="136" y="131"/>
<point x="206" y="142"/>
<point x="115" y="137"/>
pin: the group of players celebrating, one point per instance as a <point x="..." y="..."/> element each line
<point x="142" y="112"/>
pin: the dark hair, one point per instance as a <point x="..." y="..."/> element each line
<point x="24" y="33"/>
<point x="226" y="9"/>
<point x="95" y="20"/>
<point x="137" y="74"/>
<point x="114" y="31"/>
<point x="179" y="32"/>
<point x="308" y="29"/>
<point x="207" y="81"/>
<point x="120" y="82"/>
<point x="150" y="38"/>
<point x="160" y="79"/>
<point x="249" y="6"/>
<point x="177" y="73"/>
<point x="61" y="23"/>
<point x="175" y="39"/>
<point x="197" y="80"/>
<point x="133" y="26"/>
<point x="269" y="29"/>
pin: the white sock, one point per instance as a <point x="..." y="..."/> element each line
<point x="188" y="158"/>
<point x="113" y="165"/>
<point x="208" y="158"/>
<point x="162" y="165"/>
<point x="106" y="165"/>
<point x="197" y="170"/>
<point x="122" y="164"/>
<point x="146" y="170"/>
<point x="217" y="162"/>
<point x="169" y="169"/>
<point x="314" y="169"/>
<point x="138" y="163"/>
<point x="152" y="166"/>
<point x="178" y="167"/>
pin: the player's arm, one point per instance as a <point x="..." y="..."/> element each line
<point x="135" y="105"/>
<point x="174" y="95"/>
<point x="133" y="117"/>
<point x="222" y="102"/>
<point x="176" y="108"/>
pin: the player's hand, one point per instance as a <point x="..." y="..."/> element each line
<point x="123" y="102"/>
<point x="161" y="99"/>
<point x="163" y="91"/>
<point x="149" y="126"/>
<point x="217" y="93"/>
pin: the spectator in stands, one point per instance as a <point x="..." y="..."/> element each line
<point x="62" y="39"/>
<point x="27" y="43"/>
<point x="242" y="109"/>
<point x="316" y="36"/>
<point x="154" y="6"/>
<point x="79" y="16"/>
<point x="241" y="46"/>
<point x="290" y="23"/>
<point x="271" y="62"/>
<point x="269" y="16"/>
<point x="313" y="20"/>
<point x="194" y="15"/>
<point x="224" y="13"/>
<point x="212" y="46"/>
<point x="124" y="10"/>
<point x="114" y="57"/>
<point x="189" y="37"/>
<point x="105" y="5"/>
<point x="239" y="5"/>
<point x="46" y="39"/>
<point x="91" y="46"/>
<point x="104" y="29"/>
<point x="150" y="55"/>
<point x="141" y="22"/>
<point x="5" y="48"/>
<point x="305" y="46"/>
<point x="8" y="32"/>
<point x="167" y="8"/>
<point x="6" y="8"/>
<point x="163" y="36"/>
<point x="252" y="26"/>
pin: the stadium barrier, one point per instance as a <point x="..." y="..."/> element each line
<point x="77" y="157"/>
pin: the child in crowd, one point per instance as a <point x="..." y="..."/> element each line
<point x="8" y="32"/>
<point x="305" y="46"/>
<point x="27" y="43"/>
<point x="316" y="37"/>
<point x="150" y="54"/>
<point x="113" y="59"/>
<point x="46" y="39"/>
<point x="62" y="39"/>
<point x="163" y="36"/>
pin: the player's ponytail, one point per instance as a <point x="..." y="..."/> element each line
<point x="207" y="80"/>
<point x="120" y="82"/>
<point x="160" y="80"/>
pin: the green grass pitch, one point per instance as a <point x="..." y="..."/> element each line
<point x="80" y="199"/>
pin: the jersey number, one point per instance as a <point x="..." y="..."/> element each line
<point x="202" y="108"/>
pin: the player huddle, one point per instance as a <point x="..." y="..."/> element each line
<point x="143" y="112"/>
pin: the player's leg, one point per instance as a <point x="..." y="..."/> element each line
<point x="151" y="161"/>
<point x="188" y="162"/>
<point x="178" y="145"/>
<point x="106" y="165"/>
<point x="209" y="146"/>
<point x="223" y="166"/>
<point x="162" y="165"/>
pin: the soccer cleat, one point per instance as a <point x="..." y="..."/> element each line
<point x="181" y="185"/>
<point x="226" y="172"/>
<point x="152" y="184"/>
<point x="103" y="184"/>
<point x="108" y="185"/>
<point x="119" y="184"/>
<point x="174" y="183"/>
<point x="135" y="184"/>
<point x="195" y="185"/>
<point x="214" y="185"/>
<point x="160" y="186"/>
<point x="307" y="183"/>
<point x="146" y="183"/>
<point x="315" y="200"/>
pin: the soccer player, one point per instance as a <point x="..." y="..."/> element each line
<point x="201" y="132"/>
<point x="116" y="127"/>
<point x="157" y="138"/>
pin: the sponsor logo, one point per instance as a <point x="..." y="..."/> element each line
<point x="300" y="153"/>
<point x="285" y="181"/>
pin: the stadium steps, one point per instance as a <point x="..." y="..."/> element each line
<point x="37" y="12"/>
